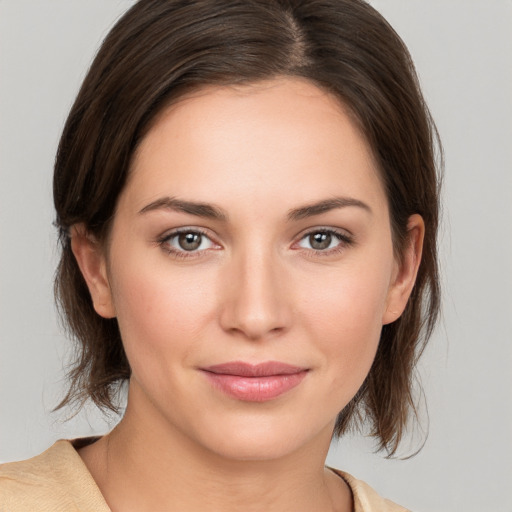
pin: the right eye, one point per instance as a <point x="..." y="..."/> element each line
<point x="186" y="242"/>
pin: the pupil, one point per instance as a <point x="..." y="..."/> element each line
<point x="189" y="241"/>
<point x="320" y="240"/>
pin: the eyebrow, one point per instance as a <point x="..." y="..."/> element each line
<point x="198" y="209"/>
<point x="325" y="206"/>
<point x="212" y="212"/>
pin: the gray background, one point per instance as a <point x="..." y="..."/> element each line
<point x="463" y="52"/>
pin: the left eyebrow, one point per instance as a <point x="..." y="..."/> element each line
<point x="326" y="205"/>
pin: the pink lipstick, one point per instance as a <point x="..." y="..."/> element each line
<point x="254" y="383"/>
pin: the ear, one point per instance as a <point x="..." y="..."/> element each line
<point x="91" y="260"/>
<point x="406" y="270"/>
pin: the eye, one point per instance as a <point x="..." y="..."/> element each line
<point x="324" y="240"/>
<point x="187" y="241"/>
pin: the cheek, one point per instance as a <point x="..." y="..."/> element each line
<point x="349" y="300"/>
<point x="160" y="313"/>
<point x="345" y="318"/>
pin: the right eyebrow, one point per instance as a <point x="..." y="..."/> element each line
<point x="206" y="210"/>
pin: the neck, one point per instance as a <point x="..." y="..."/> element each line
<point x="145" y="465"/>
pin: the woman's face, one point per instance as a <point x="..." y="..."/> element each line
<point x="251" y="268"/>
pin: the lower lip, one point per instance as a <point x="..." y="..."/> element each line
<point x="255" y="389"/>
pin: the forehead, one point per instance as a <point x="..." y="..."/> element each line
<point x="283" y="134"/>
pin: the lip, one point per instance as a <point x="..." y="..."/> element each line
<point x="254" y="382"/>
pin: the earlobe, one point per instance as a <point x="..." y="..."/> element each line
<point x="407" y="269"/>
<point x="91" y="260"/>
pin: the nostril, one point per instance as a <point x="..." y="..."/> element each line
<point x="253" y="327"/>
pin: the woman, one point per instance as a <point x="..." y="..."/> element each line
<point x="248" y="206"/>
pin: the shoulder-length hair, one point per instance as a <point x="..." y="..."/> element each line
<point x="161" y="49"/>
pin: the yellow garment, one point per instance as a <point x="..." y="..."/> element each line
<point x="58" y="481"/>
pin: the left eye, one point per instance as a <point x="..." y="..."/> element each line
<point x="189" y="241"/>
<point x="321" y="240"/>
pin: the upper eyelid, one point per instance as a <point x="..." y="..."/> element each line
<point x="341" y="232"/>
<point x="325" y="229"/>
<point x="164" y="241"/>
<point x="167" y="236"/>
<point x="186" y="229"/>
<point x="345" y="239"/>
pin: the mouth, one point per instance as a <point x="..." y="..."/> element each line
<point x="254" y="383"/>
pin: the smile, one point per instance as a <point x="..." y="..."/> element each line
<point x="254" y="383"/>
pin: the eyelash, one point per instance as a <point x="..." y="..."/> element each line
<point x="182" y="254"/>
<point x="345" y="240"/>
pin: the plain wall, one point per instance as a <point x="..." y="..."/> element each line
<point x="463" y="52"/>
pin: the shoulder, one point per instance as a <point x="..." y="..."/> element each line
<point x="366" y="499"/>
<point x="56" y="480"/>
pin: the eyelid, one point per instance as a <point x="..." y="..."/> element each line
<point x="170" y="234"/>
<point x="345" y="238"/>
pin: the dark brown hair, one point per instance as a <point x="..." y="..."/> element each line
<point x="161" y="49"/>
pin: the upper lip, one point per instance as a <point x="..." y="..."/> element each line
<point x="266" y="369"/>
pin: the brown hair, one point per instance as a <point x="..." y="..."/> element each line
<point x="158" y="51"/>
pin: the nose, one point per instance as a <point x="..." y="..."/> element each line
<point x="256" y="303"/>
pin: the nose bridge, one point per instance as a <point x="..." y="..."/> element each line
<point x="256" y="303"/>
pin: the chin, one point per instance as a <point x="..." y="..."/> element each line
<point x="260" y="439"/>
<point x="257" y="448"/>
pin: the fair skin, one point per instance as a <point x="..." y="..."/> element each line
<point x="288" y="258"/>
